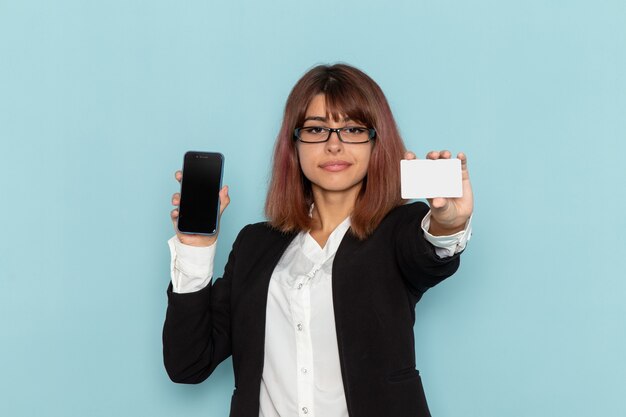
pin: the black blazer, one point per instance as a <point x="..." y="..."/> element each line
<point x="375" y="283"/>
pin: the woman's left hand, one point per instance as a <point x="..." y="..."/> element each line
<point x="449" y="215"/>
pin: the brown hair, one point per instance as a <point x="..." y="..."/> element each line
<point x="352" y="93"/>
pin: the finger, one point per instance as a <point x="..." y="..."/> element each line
<point x="224" y="199"/>
<point x="178" y="175"/>
<point x="409" y="155"/>
<point x="174" y="215"/>
<point x="463" y="159"/>
<point x="445" y="154"/>
<point x="176" y="199"/>
<point x="464" y="171"/>
<point x="432" y="155"/>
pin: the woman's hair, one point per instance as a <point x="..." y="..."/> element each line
<point x="351" y="93"/>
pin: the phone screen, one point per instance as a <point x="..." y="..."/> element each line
<point x="199" y="193"/>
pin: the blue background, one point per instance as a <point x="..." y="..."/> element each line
<point x="99" y="101"/>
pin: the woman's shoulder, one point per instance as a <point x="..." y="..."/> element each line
<point x="403" y="217"/>
<point x="263" y="228"/>
<point x="262" y="233"/>
<point x="413" y="210"/>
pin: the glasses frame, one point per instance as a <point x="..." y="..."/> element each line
<point x="371" y="136"/>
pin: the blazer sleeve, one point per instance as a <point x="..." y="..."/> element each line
<point x="421" y="267"/>
<point x="197" y="331"/>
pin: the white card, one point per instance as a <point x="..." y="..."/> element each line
<point x="430" y="178"/>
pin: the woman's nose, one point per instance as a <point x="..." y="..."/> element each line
<point x="334" y="144"/>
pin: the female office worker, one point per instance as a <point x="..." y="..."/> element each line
<point x="317" y="305"/>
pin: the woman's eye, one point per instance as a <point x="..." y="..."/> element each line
<point x="354" y="130"/>
<point x="316" y="130"/>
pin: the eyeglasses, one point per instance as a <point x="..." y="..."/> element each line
<point x="348" y="134"/>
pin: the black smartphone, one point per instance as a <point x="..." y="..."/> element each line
<point x="199" y="208"/>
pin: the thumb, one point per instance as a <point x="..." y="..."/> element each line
<point x="224" y="199"/>
<point x="439" y="203"/>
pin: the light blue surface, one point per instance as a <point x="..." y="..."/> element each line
<point x="99" y="101"/>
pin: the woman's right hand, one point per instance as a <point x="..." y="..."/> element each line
<point x="196" y="240"/>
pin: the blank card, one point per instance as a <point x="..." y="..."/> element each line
<point x="430" y="178"/>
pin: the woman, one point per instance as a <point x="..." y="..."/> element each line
<point x="317" y="304"/>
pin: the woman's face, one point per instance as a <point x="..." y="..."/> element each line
<point x="332" y="166"/>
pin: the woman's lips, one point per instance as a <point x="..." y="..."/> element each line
<point x="335" y="166"/>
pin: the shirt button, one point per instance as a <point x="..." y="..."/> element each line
<point x="305" y="410"/>
<point x="300" y="326"/>
<point x="304" y="371"/>
<point x="299" y="285"/>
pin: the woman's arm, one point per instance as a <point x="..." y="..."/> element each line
<point x="417" y="257"/>
<point x="196" y="333"/>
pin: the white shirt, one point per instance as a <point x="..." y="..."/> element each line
<point x="301" y="371"/>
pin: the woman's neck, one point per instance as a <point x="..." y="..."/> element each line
<point x="329" y="210"/>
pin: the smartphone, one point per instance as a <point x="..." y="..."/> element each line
<point x="199" y="209"/>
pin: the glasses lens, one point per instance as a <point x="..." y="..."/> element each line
<point x="313" y="134"/>
<point x="355" y="134"/>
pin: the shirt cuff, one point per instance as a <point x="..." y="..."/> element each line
<point x="191" y="267"/>
<point x="446" y="246"/>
